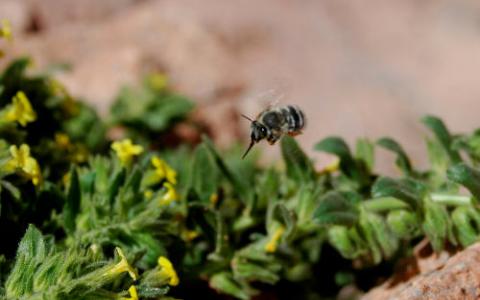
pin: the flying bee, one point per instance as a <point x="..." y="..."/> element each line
<point x="274" y="122"/>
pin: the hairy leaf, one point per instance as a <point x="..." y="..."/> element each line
<point x="335" y="208"/>
<point x="467" y="176"/>
<point x="402" y="161"/>
<point x="299" y="166"/>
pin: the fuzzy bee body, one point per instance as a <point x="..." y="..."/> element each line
<point x="271" y="124"/>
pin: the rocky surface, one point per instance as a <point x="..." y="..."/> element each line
<point x="434" y="276"/>
<point x="357" y="69"/>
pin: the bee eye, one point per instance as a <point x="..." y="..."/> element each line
<point x="263" y="130"/>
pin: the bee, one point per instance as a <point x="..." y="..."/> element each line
<point x="274" y="122"/>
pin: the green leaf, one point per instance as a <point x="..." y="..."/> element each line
<point x="435" y="225"/>
<point x="299" y="166"/>
<point x="400" y="189"/>
<point x="287" y="217"/>
<point x="403" y="223"/>
<point x="243" y="270"/>
<point x="87" y="182"/>
<point x="72" y="204"/>
<point x="402" y="161"/>
<point x="385" y="239"/>
<point x="204" y="173"/>
<point x="467" y="176"/>
<point x="134" y="180"/>
<point x="242" y="185"/>
<point x="335" y="208"/>
<point x="32" y="250"/>
<point x="308" y="197"/>
<point x="116" y="182"/>
<point x="337" y="146"/>
<point x="224" y="282"/>
<point x="443" y="135"/>
<point x="369" y="234"/>
<point x="365" y="153"/>
<point x="339" y="238"/>
<point x="13" y="190"/>
<point x="168" y="109"/>
<point x="384" y="204"/>
<point x="466" y="221"/>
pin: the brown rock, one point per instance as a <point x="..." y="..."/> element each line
<point x="455" y="278"/>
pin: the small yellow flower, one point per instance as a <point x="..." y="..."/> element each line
<point x="164" y="171"/>
<point x="21" y="160"/>
<point x="62" y="140"/>
<point x="80" y="153"/>
<point x="20" y="110"/>
<point x="168" y="271"/>
<point x="66" y="179"/>
<point x="332" y="167"/>
<point x="214" y="199"/>
<point x="271" y="246"/>
<point x="148" y="194"/>
<point x="126" y="150"/>
<point x="133" y="293"/>
<point x="189" y="235"/>
<point x="157" y="81"/>
<point x="170" y="196"/>
<point x="6" y="30"/>
<point x="122" y="266"/>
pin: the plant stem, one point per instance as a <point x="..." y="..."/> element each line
<point x="384" y="203"/>
<point x="450" y="199"/>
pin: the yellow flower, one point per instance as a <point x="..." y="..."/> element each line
<point x="80" y="153"/>
<point x="170" y="196"/>
<point x="122" y="266"/>
<point x="66" y="179"/>
<point x="271" y="246"/>
<point x="133" y="293"/>
<point x="168" y="271"/>
<point x="164" y="171"/>
<point x="157" y="81"/>
<point x="21" y="160"/>
<point x="214" y="199"/>
<point x="6" y="30"/>
<point x="62" y="140"/>
<point x="125" y="150"/>
<point x="332" y="167"/>
<point x="20" y="110"/>
<point x="189" y="235"/>
<point x="148" y="194"/>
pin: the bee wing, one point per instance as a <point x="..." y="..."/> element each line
<point x="267" y="99"/>
<point x="271" y="98"/>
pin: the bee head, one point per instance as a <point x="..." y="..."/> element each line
<point x="259" y="132"/>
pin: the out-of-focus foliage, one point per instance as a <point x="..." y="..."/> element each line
<point x="117" y="220"/>
<point x="150" y="110"/>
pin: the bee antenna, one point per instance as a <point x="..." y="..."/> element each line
<point x="247" y="118"/>
<point x="248" y="149"/>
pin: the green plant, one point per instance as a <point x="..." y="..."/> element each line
<point x="138" y="219"/>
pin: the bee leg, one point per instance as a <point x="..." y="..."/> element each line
<point x="272" y="139"/>
<point x="294" y="133"/>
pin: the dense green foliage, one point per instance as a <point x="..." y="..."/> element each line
<point x="129" y="222"/>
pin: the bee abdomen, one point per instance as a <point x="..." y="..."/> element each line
<point x="295" y="118"/>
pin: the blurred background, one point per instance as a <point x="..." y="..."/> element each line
<point x="357" y="68"/>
